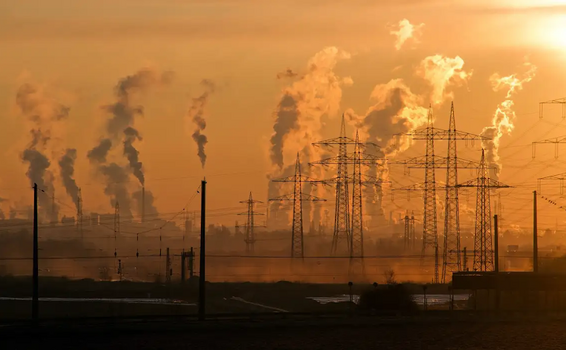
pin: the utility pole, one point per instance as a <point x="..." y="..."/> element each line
<point x="250" y="234"/>
<point x="202" y="278"/>
<point x="483" y="239"/>
<point x="184" y="256"/>
<point x="168" y="270"/>
<point x="535" y="233"/>
<point x="35" y="300"/>
<point x="298" y="197"/>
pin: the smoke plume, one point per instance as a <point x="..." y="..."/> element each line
<point x="196" y="115"/>
<point x="119" y="129"/>
<point x="502" y="121"/>
<point x="287" y="73"/>
<point x="132" y="154"/>
<point x="99" y="153"/>
<point x="303" y="104"/>
<point x="405" y="31"/>
<point x="116" y="187"/>
<point x="397" y="110"/>
<point x="150" y="209"/>
<point x="441" y="72"/>
<point x="67" y="165"/>
<point x="42" y="115"/>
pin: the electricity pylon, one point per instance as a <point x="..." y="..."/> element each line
<point x="451" y="251"/>
<point x="342" y="223"/>
<point x="80" y="214"/>
<point x="558" y="101"/>
<point x="483" y="236"/>
<point x="116" y="225"/>
<point x="298" y="197"/>
<point x="250" y="235"/>
<point x="353" y="238"/>
<point x="407" y="233"/>
<point x="357" y="246"/>
<point x="556" y="141"/>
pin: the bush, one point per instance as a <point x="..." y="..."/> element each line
<point x="391" y="298"/>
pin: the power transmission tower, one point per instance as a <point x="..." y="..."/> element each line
<point x="80" y="214"/>
<point x="559" y="101"/>
<point x="451" y="252"/>
<point x="483" y="235"/>
<point x="412" y="237"/>
<point x="407" y="233"/>
<point x="451" y="260"/>
<point x="430" y="230"/>
<point x="250" y="235"/>
<point x="357" y="250"/>
<point x="556" y="141"/>
<point x="116" y="225"/>
<point x="342" y="223"/>
<point x="357" y="179"/>
<point x="298" y="197"/>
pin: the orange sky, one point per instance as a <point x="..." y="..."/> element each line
<point x="78" y="50"/>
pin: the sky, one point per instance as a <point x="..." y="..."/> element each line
<point x="76" y="53"/>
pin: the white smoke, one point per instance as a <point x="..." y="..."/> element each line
<point x="397" y="111"/>
<point x="298" y="116"/>
<point x="442" y="72"/>
<point x="405" y="31"/>
<point x="504" y="117"/>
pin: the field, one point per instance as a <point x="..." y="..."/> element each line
<point x="477" y="332"/>
<point x="221" y="297"/>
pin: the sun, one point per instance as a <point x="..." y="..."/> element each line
<point x="551" y="32"/>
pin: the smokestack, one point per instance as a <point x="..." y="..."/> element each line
<point x="143" y="205"/>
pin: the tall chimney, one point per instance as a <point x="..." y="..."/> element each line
<point x="143" y="205"/>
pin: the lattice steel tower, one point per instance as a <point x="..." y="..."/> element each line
<point x="298" y="197"/>
<point x="342" y="210"/>
<point x="357" y="247"/>
<point x="483" y="236"/>
<point x="116" y="225"/>
<point x="430" y="230"/>
<point x="250" y="234"/>
<point x="451" y="252"/>
<point x="342" y="235"/>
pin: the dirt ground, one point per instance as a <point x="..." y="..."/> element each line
<point x="535" y="333"/>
